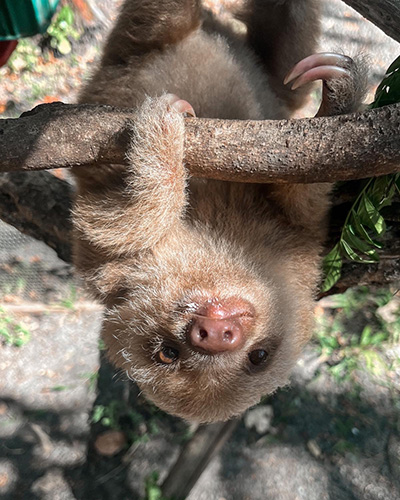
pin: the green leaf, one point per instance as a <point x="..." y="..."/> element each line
<point x="370" y="216"/>
<point x="348" y="251"/>
<point x="366" y="336"/>
<point x="328" y="342"/>
<point x="339" y="301"/>
<point x="388" y="92"/>
<point x="378" y="338"/>
<point x="394" y="66"/>
<point x="382" y="190"/>
<point x="332" y="267"/>
<point x="363" y="233"/>
<point x="350" y="242"/>
<point x="66" y="15"/>
<point x="98" y="413"/>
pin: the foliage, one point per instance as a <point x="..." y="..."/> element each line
<point x="353" y="337"/>
<point x="61" y="30"/>
<point x="153" y="491"/>
<point x="70" y="301"/>
<point x="388" y="91"/>
<point x="11" y="332"/>
<point x="365" y="226"/>
<point x="118" y="415"/>
<point x="24" y="57"/>
<point x="58" y="35"/>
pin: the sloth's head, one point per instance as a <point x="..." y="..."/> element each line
<point x="207" y="353"/>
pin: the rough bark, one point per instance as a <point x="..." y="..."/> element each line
<point x="325" y="149"/>
<point x="38" y="204"/>
<point x="194" y="457"/>
<point x="383" y="13"/>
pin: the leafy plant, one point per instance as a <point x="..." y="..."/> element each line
<point x="365" y="226"/>
<point x="24" y="57"/>
<point x="117" y="415"/>
<point x="70" y="300"/>
<point x="61" y="30"/>
<point x="107" y="415"/>
<point x="388" y="91"/>
<point x="346" y="347"/>
<point x="153" y="491"/>
<point x="13" y="333"/>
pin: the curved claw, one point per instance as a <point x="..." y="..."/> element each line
<point x="180" y="105"/>
<point x="338" y="75"/>
<point x="320" y="73"/>
<point x="325" y="66"/>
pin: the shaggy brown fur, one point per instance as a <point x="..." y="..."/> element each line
<point x="166" y="253"/>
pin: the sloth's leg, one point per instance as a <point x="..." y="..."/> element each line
<point x="135" y="214"/>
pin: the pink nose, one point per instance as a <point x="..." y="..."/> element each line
<point x="216" y="335"/>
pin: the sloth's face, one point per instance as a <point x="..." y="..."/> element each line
<point x="206" y="357"/>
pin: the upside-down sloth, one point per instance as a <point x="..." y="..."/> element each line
<point x="208" y="285"/>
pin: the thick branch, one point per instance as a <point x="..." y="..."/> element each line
<point x="38" y="205"/>
<point x="324" y="149"/>
<point x="62" y="135"/>
<point x="383" y="13"/>
<point x="194" y="458"/>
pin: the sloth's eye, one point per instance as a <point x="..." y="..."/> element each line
<point x="258" y="356"/>
<point x="167" y="355"/>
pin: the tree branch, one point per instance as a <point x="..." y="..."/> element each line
<point x="325" y="149"/>
<point x="309" y="150"/>
<point x="383" y="13"/>
<point x="38" y="204"/>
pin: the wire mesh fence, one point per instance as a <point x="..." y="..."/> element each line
<point x="30" y="270"/>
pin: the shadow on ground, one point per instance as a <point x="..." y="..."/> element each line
<point x="321" y="444"/>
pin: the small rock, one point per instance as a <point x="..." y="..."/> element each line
<point x="8" y="477"/>
<point x="314" y="448"/>
<point x="260" y="418"/>
<point x="110" y="443"/>
<point x="390" y="312"/>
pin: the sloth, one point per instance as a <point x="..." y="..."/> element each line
<point x="208" y="285"/>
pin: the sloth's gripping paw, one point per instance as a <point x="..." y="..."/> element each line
<point x="344" y="81"/>
<point x="157" y="136"/>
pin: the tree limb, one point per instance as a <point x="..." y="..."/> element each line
<point x="194" y="458"/>
<point x="383" y="13"/>
<point x="38" y="204"/>
<point x="325" y="149"/>
<point x="309" y="150"/>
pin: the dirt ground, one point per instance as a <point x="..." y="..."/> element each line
<point x="73" y="429"/>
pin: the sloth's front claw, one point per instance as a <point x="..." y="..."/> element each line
<point x="180" y="105"/>
<point x="324" y="66"/>
<point x="337" y="72"/>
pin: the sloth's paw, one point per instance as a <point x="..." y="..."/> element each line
<point x="344" y="81"/>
